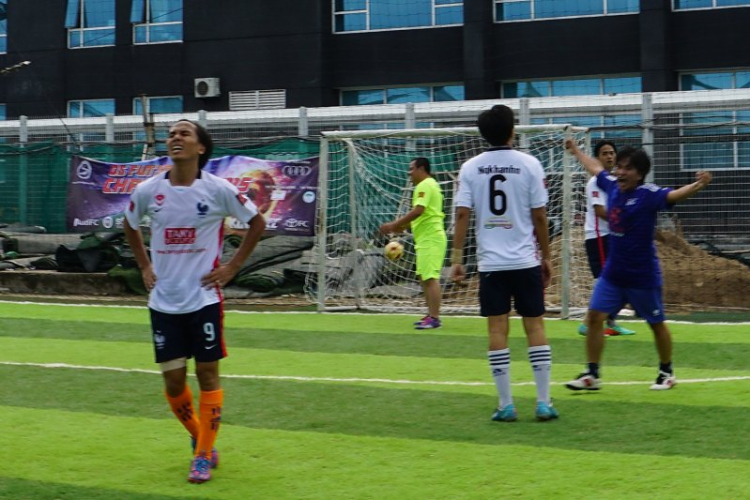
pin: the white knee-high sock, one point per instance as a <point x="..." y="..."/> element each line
<point x="540" y="358"/>
<point x="500" y="368"/>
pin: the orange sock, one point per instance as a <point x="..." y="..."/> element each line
<point x="182" y="407"/>
<point x="210" y="418"/>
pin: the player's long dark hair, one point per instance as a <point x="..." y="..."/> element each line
<point x="205" y="139"/>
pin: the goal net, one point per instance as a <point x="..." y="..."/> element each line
<point x="364" y="182"/>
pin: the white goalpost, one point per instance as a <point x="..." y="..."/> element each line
<point x="364" y="182"/>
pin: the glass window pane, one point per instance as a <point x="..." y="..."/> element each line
<point x="407" y="94"/>
<point x="94" y="38"/>
<point x="98" y="13"/>
<point x="3" y="112"/>
<point x="351" y="22"/>
<point x="166" y="32"/>
<point x="707" y="81"/>
<point x="449" y="15"/>
<point x="3" y="44"/>
<point x="708" y="119"/>
<point x="74" y="109"/>
<point x="742" y="80"/>
<point x="513" y="11"/>
<point x="344" y="5"/>
<point x="141" y="34"/>
<point x="622" y="85"/>
<point x="137" y="11"/>
<point x="708" y="155"/>
<point x="165" y="104"/>
<point x="448" y="93"/>
<point x="448" y="2"/>
<point x="163" y="11"/>
<point x="513" y="90"/>
<point x="562" y="8"/>
<point x="590" y="86"/>
<point x="74" y="38"/>
<point x="691" y="4"/>
<point x="726" y="3"/>
<point x="71" y="14"/>
<point x="362" y="97"/>
<point x="579" y="121"/>
<point x="386" y="14"/>
<point x="620" y="6"/>
<point x="99" y="107"/>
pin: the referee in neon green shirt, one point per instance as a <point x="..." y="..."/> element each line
<point x="426" y="220"/>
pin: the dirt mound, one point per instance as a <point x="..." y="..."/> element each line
<point x="694" y="278"/>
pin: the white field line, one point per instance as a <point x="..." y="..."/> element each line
<point x="349" y="380"/>
<point x="116" y="306"/>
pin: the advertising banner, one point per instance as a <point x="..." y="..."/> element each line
<point x="285" y="191"/>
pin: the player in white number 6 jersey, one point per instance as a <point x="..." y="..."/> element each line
<point x="506" y="189"/>
<point x="187" y="208"/>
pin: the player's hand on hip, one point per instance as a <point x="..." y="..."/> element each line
<point x="221" y="276"/>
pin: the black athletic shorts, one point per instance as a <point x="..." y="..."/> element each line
<point x="595" y="255"/>
<point x="198" y="334"/>
<point x="524" y="286"/>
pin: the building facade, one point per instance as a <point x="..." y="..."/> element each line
<point x="92" y="57"/>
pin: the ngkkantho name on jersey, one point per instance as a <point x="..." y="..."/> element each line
<point x="496" y="169"/>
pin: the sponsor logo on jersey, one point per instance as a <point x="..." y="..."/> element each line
<point x="132" y="206"/>
<point x="202" y="208"/>
<point x="159" y="198"/>
<point x="500" y="222"/>
<point x="421" y="194"/>
<point x="595" y="194"/>
<point x="242" y="198"/>
<point x="179" y="236"/>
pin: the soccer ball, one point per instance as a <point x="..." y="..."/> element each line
<point x="393" y="250"/>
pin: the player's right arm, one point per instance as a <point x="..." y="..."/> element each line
<point x="463" y="216"/>
<point x="541" y="231"/>
<point x="133" y="234"/>
<point x="592" y="165"/>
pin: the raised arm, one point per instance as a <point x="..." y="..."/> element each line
<point x="702" y="179"/>
<point x="592" y="165"/>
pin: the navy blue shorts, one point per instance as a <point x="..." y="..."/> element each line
<point x="198" y="334"/>
<point x="524" y="286"/>
<point x="596" y="250"/>
<point x="610" y="298"/>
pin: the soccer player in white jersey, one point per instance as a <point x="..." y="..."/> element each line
<point x="187" y="208"/>
<point x="597" y="229"/>
<point x="506" y="188"/>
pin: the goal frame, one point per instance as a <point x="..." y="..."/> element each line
<point x="521" y="131"/>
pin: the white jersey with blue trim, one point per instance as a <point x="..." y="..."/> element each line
<point x="187" y="229"/>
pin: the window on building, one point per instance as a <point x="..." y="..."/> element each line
<point x="526" y="10"/>
<point x="710" y="138"/>
<point x="400" y="95"/>
<point x="156" y="21"/>
<point x="3" y="26"/>
<point x="3" y="112"/>
<point x="570" y="87"/>
<point x="90" y="23"/>
<point x="158" y="105"/>
<point x="707" y="4"/>
<point x="91" y="107"/>
<point x="370" y="15"/>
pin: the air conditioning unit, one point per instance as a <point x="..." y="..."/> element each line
<point x="206" y="87"/>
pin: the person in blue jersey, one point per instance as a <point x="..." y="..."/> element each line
<point x="632" y="273"/>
